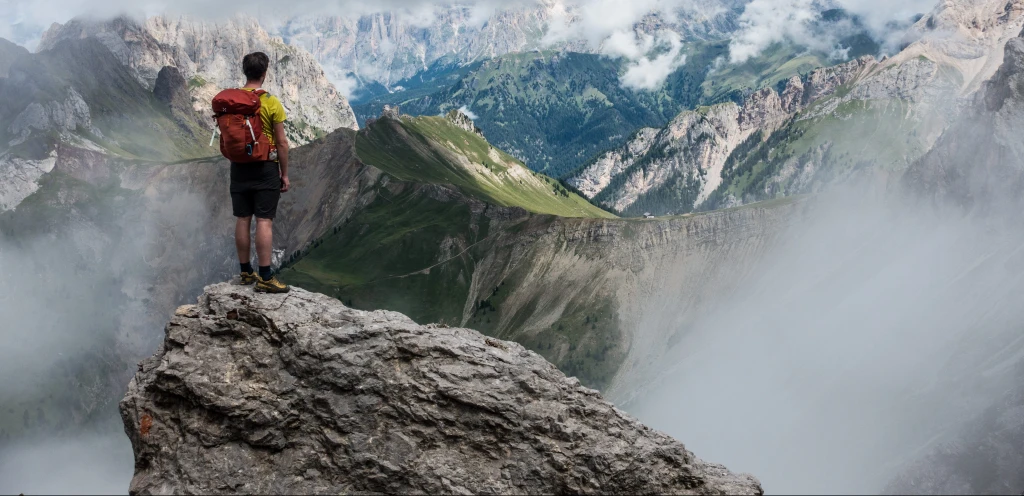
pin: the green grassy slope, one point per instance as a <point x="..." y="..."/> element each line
<point x="418" y="255"/>
<point x="433" y="150"/>
<point x="389" y="256"/>
<point x="418" y="251"/>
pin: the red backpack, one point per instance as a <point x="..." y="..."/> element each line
<point x="237" y="112"/>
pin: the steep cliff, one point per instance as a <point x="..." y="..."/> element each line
<point x="209" y="55"/>
<point x="299" y="394"/>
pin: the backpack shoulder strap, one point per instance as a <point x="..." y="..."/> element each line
<point x="260" y="92"/>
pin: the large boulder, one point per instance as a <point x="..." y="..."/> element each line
<point x="297" y="393"/>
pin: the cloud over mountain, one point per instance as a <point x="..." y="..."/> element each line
<point x="764" y="22"/>
<point x="606" y="26"/>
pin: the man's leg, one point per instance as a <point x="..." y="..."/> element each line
<point x="242" y="244"/>
<point x="267" y="283"/>
<point x="264" y="241"/>
<point x="242" y="240"/>
<point x="266" y="209"/>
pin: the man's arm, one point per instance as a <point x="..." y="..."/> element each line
<point x="282" y="154"/>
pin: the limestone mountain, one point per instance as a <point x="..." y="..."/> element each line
<point x="682" y="164"/>
<point x="864" y="118"/>
<point x="389" y="47"/>
<point x="162" y="72"/>
<point x="372" y="402"/>
<point x="208" y="55"/>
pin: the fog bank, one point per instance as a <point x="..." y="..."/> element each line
<point x="876" y="328"/>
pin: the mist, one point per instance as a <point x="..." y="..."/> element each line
<point x="92" y="273"/>
<point x="877" y="327"/>
<point x="64" y="366"/>
<point x="84" y="464"/>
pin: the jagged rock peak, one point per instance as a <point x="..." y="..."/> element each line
<point x="391" y="111"/>
<point x="298" y="394"/>
<point x="460" y="119"/>
<point x="171" y="88"/>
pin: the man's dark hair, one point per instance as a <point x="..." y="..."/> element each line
<point x="255" y="65"/>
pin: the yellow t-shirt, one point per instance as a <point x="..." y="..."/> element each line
<point x="271" y="112"/>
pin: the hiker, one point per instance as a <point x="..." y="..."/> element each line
<point x="251" y="126"/>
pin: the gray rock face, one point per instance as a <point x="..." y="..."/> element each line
<point x="208" y="55"/>
<point x="463" y="121"/>
<point x="171" y="88"/>
<point x="299" y="394"/>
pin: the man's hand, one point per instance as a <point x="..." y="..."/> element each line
<point x="282" y="154"/>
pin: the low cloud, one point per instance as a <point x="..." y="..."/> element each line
<point x="469" y="113"/>
<point x="652" y="59"/>
<point x="765" y="22"/>
<point x="606" y="26"/>
<point x="346" y="84"/>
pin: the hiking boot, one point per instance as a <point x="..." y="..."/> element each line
<point x="247" y="278"/>
<point x="271" y="286"/>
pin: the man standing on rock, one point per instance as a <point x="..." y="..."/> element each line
<point x="256" y="185"/>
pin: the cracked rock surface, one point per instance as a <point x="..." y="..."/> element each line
<point x="297" y="393"/>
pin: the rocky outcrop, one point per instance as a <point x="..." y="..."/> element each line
<point x="595" y="177"/>
<point x="299" y="394"/>
<point x="208" y="55"/>
<point x="171" y="89"/>
<point x="60" y="116"/>
<point x="463" y="121"/>
<point x="21" y="178"/>
<point x="966" y="36"/>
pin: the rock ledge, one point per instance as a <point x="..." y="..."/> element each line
<point x="299" y="394"/>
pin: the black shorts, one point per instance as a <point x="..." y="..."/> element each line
<point x="255" y="189"/>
